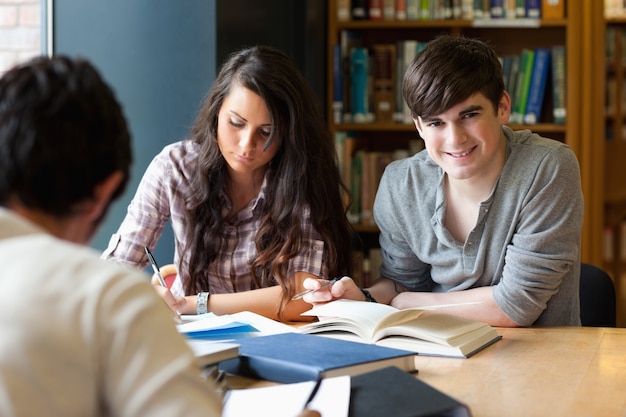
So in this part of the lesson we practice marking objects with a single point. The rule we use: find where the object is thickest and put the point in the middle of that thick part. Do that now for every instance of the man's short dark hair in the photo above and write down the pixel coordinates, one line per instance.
(62, 132)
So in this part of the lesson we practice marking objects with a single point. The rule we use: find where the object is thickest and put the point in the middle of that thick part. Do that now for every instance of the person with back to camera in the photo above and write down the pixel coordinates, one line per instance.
(486, 217)
(253, 196)
(91, 338)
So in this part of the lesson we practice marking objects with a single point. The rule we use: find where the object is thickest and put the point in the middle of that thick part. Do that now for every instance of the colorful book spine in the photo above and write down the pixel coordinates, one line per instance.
(389, 9)
(375, 11)
(358, 77)
(559, 110)
(533, 9)
(401, 9)
(424, 10)
(520, 9)
(359, 9)
(384, 79)
(537, 86)
(523, 84)
(497, 9)
(344, 10)
(412, 9)
(338, 89)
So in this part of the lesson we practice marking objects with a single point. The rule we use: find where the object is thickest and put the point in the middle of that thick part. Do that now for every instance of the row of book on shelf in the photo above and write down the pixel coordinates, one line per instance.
(367, 82)
(361, 170)
(449, 9)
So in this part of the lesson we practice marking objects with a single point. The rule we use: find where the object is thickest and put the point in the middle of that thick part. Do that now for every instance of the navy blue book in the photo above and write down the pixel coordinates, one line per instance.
(392, 392)
(296, 357)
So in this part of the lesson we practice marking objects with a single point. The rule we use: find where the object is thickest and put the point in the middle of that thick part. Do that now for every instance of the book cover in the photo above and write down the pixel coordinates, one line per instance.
(509, 9)
(497, 9)
(432, 334)
(522, 86)
(349, 39)
(401, 9)
(389, 9)
(296, 357)
(393, 392)
(533, 9)
(384, 80)
(409, 51)
(553, 9)
(559, 111)
(424, 10)
(375, 11)
(520, 9)
(537, 86)
(358, 78)
(359, 9)
(367, 199)
(412, 9)
(467, 9)
(344, 10)
(338, 89)
(209, 352)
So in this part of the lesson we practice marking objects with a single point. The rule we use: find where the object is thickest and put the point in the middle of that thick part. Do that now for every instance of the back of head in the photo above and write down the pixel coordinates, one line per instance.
(449, 70)
(62, 132)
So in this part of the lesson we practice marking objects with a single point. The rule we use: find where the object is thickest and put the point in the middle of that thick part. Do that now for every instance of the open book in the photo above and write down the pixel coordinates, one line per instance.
(433, 334)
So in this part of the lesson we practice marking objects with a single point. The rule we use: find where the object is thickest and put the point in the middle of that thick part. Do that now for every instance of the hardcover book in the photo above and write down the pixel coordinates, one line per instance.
(537, 86)
(558, 84)
(522, 86)
(296, 357)
(392, 392)
(432, 334)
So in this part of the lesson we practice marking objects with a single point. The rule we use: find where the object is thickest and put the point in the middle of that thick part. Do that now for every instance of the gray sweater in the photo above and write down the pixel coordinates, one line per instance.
(526, 242)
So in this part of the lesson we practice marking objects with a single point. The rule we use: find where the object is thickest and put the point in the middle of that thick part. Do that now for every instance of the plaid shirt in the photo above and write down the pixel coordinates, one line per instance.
(161, 196)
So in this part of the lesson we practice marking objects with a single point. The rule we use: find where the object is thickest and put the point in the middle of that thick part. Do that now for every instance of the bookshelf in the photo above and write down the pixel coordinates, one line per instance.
(580, 31)
(615, 140)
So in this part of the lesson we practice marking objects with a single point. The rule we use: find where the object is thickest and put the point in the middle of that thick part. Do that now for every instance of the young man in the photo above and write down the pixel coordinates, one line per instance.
(80, 336)
(485, 217)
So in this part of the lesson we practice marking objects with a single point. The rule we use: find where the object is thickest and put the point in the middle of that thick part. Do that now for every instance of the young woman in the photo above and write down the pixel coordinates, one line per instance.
(254, 196)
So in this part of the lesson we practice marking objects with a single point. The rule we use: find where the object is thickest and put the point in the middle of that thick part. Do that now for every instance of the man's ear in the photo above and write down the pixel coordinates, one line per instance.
(418, 126)
(102, 195)
(504, 108)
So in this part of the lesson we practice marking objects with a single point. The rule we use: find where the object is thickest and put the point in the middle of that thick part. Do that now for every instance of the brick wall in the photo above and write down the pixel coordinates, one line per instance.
(20, 31)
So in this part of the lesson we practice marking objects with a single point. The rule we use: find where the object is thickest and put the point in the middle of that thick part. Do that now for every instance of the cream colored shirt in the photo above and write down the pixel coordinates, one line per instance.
(83, 337)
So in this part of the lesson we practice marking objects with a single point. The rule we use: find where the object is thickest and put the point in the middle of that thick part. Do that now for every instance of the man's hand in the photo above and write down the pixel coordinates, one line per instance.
(344, 288)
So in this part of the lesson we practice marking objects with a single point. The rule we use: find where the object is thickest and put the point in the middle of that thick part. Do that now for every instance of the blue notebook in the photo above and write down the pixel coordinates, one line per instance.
(296, 357)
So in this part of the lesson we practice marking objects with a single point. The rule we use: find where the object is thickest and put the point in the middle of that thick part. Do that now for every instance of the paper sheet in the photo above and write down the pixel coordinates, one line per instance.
(287, 400)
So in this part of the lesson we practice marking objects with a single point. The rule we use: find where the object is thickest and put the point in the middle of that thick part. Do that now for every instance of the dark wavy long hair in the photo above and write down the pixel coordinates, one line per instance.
(304, 172)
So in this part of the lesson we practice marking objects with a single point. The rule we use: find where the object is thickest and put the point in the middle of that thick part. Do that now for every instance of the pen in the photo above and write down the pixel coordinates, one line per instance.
(155, 267)
(312, 394)
(324, 285)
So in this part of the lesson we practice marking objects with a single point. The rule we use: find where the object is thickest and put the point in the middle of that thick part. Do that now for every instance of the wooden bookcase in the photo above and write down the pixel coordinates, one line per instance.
(580, 31)
(615, 146)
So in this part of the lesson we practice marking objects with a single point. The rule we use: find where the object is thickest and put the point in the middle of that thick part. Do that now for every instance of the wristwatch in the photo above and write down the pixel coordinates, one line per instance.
(201, 302)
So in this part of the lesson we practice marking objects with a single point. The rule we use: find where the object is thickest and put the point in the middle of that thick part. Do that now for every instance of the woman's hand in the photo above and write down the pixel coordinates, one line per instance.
(176, 304)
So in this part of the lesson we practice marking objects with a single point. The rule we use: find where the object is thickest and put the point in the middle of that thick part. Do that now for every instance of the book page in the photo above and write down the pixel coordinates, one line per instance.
(438, 328)
(357, 317)
(331, 400)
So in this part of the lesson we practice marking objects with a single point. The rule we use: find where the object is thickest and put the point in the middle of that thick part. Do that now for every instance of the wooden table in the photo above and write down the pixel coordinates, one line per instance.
(559, 371)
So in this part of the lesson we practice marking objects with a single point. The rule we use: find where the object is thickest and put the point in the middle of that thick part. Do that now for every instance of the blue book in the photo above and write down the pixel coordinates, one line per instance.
(537, 86)
(358, 78)
(337, 84)
(392, 392)
(297, 357)
(533, 9)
